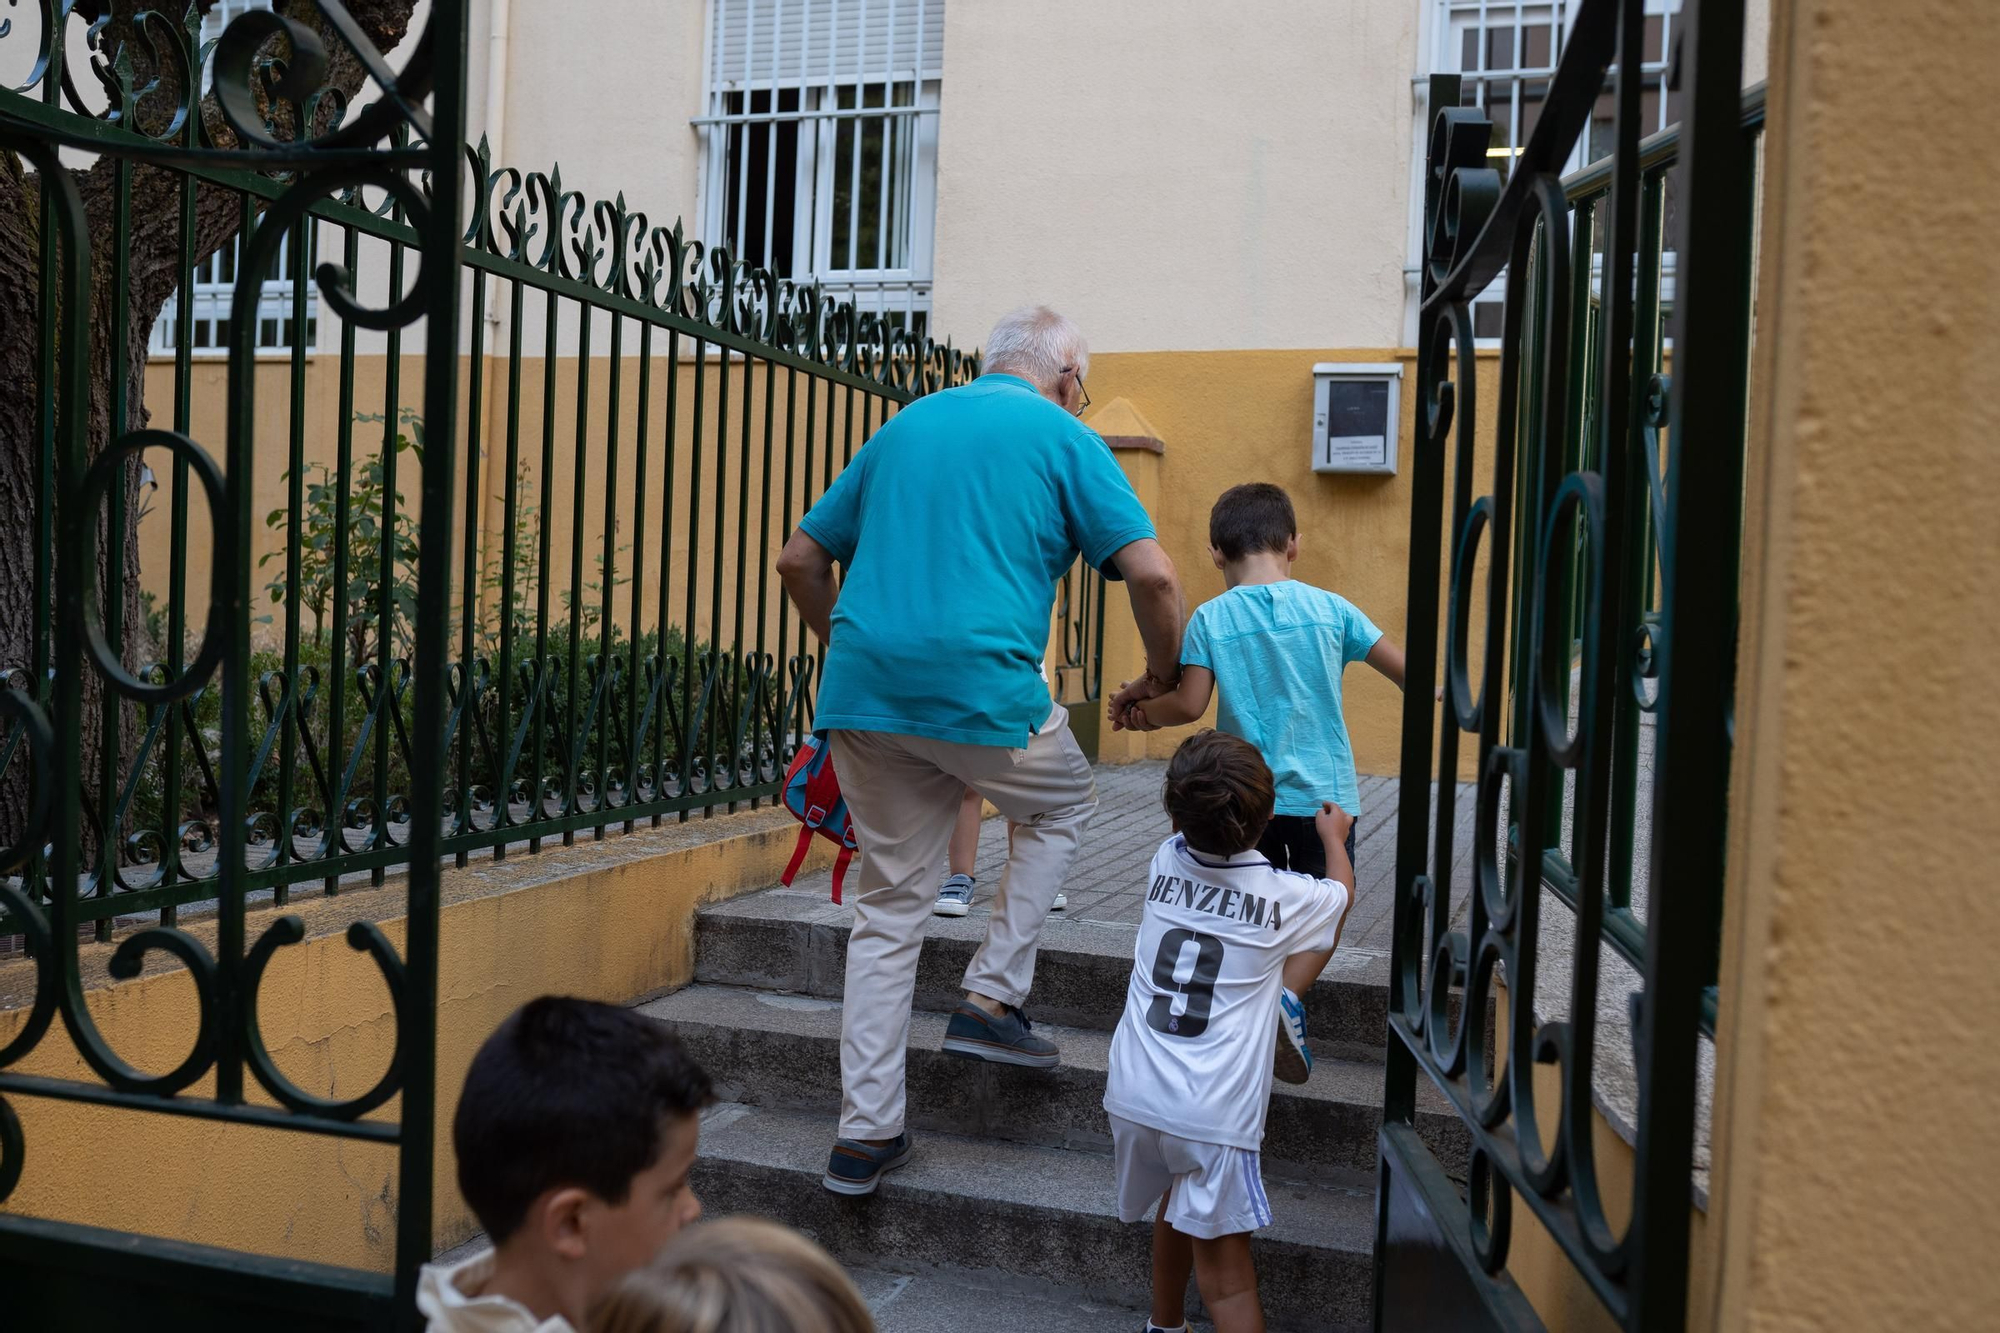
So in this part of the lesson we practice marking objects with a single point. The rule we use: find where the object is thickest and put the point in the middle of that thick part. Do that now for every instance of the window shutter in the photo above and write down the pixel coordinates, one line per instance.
(820, 41)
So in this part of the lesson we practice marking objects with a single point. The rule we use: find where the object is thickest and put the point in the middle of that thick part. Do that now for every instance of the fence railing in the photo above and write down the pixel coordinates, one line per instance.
(643, 420)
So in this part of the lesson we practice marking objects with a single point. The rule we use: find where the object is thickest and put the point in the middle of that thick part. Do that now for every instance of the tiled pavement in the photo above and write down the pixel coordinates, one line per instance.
(1105, 883)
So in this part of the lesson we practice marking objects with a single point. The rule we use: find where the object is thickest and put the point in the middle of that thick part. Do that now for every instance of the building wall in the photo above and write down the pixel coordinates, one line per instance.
(1230, 417)
(1859, 1072)
(606, 88)
(1178, 177)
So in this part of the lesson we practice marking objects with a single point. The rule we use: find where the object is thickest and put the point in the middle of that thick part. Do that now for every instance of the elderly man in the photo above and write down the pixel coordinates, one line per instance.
(952, 527)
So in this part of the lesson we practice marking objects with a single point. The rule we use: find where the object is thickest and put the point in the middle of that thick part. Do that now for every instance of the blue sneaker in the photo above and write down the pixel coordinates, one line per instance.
(1295, 1058)
(856, 1168)
(954, 896)
(1009, 1039)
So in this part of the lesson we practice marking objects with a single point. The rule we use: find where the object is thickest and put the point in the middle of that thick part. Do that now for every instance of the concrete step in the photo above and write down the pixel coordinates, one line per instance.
(1023, 1215)
(783, 1052)
(948, 1300)
(788, 940)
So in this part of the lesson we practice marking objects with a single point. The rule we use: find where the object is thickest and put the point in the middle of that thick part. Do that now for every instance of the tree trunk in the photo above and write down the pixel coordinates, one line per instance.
(152, 249)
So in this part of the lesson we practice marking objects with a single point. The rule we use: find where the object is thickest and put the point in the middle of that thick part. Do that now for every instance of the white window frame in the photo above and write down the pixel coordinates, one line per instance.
(212, 295)
(907, 198)
(1441, 44)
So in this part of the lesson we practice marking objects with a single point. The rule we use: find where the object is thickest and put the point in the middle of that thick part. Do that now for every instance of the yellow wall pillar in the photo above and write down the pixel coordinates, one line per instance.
(1859, 1071)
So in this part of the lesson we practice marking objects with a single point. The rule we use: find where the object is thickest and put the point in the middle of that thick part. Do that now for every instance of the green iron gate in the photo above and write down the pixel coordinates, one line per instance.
(1608, 601)
(1079, 655)
(517, 713)
(269, 76)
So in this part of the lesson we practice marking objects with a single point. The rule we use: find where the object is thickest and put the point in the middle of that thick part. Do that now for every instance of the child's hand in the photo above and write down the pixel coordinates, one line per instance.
(1123, 710)
(1332, 822)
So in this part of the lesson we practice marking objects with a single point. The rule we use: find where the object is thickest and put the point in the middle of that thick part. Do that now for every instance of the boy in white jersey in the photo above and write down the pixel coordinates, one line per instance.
(1190, 1071)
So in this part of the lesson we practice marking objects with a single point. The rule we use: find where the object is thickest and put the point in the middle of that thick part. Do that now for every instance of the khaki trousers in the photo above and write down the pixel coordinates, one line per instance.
(903, 793)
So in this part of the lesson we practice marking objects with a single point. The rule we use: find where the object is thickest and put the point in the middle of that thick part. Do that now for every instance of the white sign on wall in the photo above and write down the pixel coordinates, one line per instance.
(1357, 416)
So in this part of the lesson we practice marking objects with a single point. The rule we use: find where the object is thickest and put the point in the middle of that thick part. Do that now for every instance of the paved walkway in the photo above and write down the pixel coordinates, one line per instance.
(1106, 884)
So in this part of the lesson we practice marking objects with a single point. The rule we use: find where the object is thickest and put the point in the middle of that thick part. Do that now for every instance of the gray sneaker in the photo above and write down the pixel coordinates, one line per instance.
(974, 1034)
(954, 896)
(855, 1168)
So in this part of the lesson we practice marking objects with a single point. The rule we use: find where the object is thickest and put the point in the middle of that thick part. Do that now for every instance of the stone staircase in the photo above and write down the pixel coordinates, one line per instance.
(1011, 1186)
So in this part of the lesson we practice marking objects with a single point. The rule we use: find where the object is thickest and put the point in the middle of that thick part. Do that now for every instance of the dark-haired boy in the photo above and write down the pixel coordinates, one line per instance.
(575, 1133)
(1276, 650)
(1189, 1079)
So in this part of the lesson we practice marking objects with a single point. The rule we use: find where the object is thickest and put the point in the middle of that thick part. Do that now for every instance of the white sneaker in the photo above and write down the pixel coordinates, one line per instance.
(1062, 901)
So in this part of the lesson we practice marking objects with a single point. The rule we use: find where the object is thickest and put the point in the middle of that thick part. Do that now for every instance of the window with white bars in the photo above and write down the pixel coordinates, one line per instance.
(212, 294)
(820, 143)
(1506, 51)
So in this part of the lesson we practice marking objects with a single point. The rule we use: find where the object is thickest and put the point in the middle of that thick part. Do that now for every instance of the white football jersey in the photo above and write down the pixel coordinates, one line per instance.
(1192, 1055)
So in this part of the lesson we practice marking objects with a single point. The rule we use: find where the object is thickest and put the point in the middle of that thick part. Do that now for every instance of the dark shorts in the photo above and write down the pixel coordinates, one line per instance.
(1291, 842)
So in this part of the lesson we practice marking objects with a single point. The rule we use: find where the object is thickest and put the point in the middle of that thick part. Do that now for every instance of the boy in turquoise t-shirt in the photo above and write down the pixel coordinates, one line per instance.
(1276, 650)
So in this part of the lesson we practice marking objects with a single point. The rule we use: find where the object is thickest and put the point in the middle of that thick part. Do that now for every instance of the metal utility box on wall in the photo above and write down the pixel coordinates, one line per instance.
(1357, 416)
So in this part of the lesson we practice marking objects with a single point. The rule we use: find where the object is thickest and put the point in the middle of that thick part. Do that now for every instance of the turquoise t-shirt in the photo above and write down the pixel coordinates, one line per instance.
(1278, 651)
(953, 525)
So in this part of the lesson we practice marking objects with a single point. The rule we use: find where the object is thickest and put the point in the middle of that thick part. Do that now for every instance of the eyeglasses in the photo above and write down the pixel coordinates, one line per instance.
(1082, 392)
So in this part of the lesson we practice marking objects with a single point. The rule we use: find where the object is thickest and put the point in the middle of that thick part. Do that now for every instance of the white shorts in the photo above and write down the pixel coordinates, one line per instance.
(1212, 1190)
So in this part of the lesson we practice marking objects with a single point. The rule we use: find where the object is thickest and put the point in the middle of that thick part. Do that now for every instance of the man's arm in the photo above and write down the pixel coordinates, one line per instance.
(1179, 706)
(806, 569)
(1157, 607)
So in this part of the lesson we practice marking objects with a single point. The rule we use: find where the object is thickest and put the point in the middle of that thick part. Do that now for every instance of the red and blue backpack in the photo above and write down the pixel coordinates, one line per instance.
(812, 794)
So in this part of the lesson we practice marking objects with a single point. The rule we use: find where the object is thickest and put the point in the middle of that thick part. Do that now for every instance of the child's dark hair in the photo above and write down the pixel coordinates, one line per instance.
(567, 1092)
(1253, 517)
(1219, 793)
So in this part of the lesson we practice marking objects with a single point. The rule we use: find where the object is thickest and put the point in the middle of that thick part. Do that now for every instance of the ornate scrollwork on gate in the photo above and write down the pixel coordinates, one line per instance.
(1564, 523)
(270, 110)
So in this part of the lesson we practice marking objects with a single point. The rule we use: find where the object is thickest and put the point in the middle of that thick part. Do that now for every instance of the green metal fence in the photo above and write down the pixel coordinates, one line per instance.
(511, 593)
(616, 657)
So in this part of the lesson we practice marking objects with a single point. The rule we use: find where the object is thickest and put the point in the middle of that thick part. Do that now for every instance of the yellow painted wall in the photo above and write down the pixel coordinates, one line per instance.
(1859, 1077)
(726, 463)
(1233, 417)
(610, 921)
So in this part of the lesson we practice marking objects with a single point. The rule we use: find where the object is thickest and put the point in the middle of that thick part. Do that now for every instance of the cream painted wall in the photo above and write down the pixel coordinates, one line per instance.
(1856, 1155)
(607, 88)
(1178, 177)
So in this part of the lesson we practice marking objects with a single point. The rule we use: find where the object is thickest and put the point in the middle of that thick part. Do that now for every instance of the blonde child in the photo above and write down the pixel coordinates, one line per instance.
(739, 1275)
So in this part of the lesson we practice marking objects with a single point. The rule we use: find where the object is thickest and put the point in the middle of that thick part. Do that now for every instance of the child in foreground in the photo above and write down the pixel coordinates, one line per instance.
(739, 1275)
(1189, 1078)
(575, 1134)
(1276, 650)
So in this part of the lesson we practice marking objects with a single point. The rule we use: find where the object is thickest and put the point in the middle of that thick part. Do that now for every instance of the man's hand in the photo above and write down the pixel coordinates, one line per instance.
(1123, 710)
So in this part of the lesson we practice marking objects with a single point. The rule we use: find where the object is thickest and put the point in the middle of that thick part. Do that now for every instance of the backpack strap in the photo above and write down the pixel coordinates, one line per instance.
(820, 795)
(840, 864)
(799, 859)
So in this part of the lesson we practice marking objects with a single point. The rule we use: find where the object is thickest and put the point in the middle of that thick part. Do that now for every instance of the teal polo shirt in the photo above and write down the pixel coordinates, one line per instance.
(953, 525)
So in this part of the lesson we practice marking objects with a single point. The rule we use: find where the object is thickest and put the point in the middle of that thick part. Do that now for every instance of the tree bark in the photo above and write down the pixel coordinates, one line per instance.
(152, 251)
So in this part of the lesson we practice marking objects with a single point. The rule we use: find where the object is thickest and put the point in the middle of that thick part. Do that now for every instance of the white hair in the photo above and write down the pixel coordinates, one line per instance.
(1037, 344)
